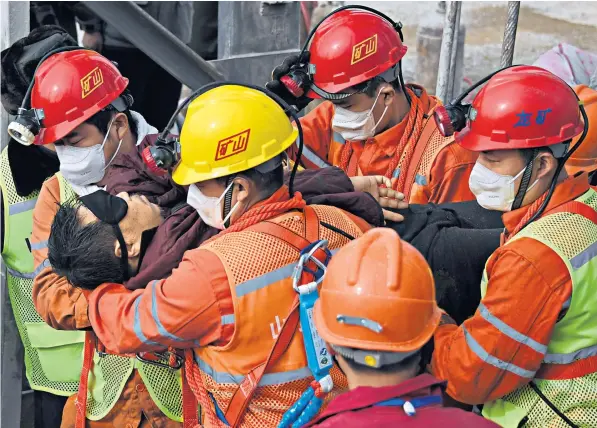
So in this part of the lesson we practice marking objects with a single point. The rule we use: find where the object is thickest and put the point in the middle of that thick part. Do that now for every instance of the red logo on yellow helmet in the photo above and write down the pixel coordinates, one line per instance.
(233, 145)
(93, 80)
(364, 49)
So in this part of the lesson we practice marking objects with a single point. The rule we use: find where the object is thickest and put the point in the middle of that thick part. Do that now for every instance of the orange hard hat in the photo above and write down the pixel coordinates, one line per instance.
(585, 157)
(378, 294)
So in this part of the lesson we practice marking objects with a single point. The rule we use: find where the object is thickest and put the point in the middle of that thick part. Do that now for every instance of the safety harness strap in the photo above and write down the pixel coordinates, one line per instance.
(245, 391)
(81, 400)
(190, 418)
(420, 146)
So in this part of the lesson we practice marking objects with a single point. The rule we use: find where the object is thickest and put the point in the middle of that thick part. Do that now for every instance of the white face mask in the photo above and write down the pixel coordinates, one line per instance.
(209, 207)
(494, 191)
(82, 166)
(356, 126)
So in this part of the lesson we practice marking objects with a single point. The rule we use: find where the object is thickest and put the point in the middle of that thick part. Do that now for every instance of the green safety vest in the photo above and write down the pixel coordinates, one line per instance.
(109, 372)
(53, 358)
(574, 238)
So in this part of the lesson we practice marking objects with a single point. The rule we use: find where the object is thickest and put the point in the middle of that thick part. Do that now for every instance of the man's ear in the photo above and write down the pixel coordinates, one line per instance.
(121, 124)
(117, 249)
(245, 189)
(133, 250)
(388, 94)
(546, 164)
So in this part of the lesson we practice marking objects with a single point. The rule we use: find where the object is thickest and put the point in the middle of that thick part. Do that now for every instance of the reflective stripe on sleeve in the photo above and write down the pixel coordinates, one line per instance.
(490, 359)
(312, 157)
(509, 331)
(571, 357)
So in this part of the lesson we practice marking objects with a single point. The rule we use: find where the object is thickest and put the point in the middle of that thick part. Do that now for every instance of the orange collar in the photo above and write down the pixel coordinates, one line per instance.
(278, 203)
(389, 139)
(567, 190)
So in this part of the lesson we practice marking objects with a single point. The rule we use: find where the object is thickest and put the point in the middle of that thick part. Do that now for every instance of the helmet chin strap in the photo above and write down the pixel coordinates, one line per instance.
(402, 85)
(524, 184)
(228, 201)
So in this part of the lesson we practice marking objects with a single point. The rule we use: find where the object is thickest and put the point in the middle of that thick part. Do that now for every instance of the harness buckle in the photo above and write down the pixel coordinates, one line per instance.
(307, 255)
(173, 361)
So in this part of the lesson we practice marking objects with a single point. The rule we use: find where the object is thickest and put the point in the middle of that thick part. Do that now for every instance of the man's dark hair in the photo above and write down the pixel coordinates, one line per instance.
(268, 182)
(101, 120)
(370, 86)
(528, 153)
(83, 254)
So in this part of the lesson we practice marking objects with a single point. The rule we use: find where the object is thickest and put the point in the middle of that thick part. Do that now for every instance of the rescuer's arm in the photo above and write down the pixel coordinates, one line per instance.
(44, 212)
(183, 311)
(501, 347)
(317, 134)
(61, 305)
(448, 177)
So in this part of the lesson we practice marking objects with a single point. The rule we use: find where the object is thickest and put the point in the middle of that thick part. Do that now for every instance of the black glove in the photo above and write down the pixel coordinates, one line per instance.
(290, 63)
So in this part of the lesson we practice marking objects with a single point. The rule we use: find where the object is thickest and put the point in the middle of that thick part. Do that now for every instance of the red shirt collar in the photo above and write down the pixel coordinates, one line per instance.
(567, 190)
(365, 396)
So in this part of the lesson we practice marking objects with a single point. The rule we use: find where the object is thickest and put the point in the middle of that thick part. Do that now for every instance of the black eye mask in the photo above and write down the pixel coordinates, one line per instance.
(110, 209)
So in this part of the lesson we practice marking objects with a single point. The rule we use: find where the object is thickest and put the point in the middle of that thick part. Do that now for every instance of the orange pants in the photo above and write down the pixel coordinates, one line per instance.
(134, 409)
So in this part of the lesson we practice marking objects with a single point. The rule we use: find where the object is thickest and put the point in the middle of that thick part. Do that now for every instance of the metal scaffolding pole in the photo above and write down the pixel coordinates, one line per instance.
(453, 55)
(510, 34)
(156, 42)
(14, 24)
(258, 36)
(447, 68)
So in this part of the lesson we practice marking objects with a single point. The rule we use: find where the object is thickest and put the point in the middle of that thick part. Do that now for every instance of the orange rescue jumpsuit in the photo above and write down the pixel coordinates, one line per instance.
(195, 307)
(64, 307)
(447, 172)
(527, 290)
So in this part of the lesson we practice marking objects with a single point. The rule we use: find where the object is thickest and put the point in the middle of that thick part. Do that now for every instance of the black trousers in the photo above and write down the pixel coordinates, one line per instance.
(155, 91)
(48, 409)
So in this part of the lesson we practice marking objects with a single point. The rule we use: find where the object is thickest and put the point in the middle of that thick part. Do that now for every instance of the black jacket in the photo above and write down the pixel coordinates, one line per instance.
(456, 240)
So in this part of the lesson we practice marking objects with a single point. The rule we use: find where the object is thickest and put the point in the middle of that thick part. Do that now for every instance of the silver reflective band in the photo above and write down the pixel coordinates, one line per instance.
(338, 138)
(22, 207)
(362, 322)
(421, 180)
(228, 319)
(28, 275)
(584, 257)
(571, 357)
(156, 319)
(39, 245)
(496, 362)
(267, 279)
(18, 274)
(267, 379)
(312, 157)
(509, 331)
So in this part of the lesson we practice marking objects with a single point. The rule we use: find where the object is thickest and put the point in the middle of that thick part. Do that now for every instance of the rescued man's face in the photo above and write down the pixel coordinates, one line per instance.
(141, 215)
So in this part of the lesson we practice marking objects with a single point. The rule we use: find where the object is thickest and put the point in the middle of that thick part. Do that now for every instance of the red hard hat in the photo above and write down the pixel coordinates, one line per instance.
(351, 47)
(71, 87)
(522, 107)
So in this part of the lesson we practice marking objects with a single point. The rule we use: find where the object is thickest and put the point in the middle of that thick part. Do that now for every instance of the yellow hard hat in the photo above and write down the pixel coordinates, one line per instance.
(230, 129)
